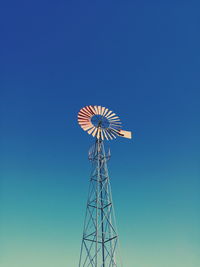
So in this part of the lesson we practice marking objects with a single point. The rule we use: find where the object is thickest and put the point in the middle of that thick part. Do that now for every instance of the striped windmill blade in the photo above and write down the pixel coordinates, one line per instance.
(101, 123)
(96, 110)
(99, 110)
(111, 116)
(105, 111)
(115, 131)
(115, 125)
(85, 128)
(92, 110)
(112, 133)
(109, 135)
(102, 110)
(84, 120)
(84, 125)
(94, 132)
(91, 130)
(105, 134)
(109, 112)
(82, 115)
(115, 120)
(85, 110)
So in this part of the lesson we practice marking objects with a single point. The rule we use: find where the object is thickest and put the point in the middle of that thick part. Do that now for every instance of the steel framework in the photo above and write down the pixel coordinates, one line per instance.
(100, 239)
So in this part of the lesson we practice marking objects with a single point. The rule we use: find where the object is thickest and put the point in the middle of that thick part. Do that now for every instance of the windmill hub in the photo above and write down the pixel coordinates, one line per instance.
(100, 121)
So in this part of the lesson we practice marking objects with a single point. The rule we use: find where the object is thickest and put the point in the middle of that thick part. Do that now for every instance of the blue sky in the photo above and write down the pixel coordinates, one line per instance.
(139, 59)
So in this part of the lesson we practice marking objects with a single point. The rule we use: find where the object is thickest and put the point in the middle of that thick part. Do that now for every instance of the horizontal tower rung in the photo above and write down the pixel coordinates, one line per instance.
(99, 207)
(105, 241)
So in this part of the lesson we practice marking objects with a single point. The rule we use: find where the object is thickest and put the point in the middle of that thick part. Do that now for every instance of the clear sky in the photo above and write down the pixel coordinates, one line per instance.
(142, 60)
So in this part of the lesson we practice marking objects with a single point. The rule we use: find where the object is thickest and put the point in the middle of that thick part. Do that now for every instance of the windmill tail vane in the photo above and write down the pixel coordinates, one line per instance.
(99, 247)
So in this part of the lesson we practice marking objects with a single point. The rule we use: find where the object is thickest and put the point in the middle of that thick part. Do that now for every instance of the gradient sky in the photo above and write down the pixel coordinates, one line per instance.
(140, 59)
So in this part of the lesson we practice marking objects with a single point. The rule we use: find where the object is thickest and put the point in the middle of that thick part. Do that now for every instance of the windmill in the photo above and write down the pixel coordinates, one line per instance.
(100, 239)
